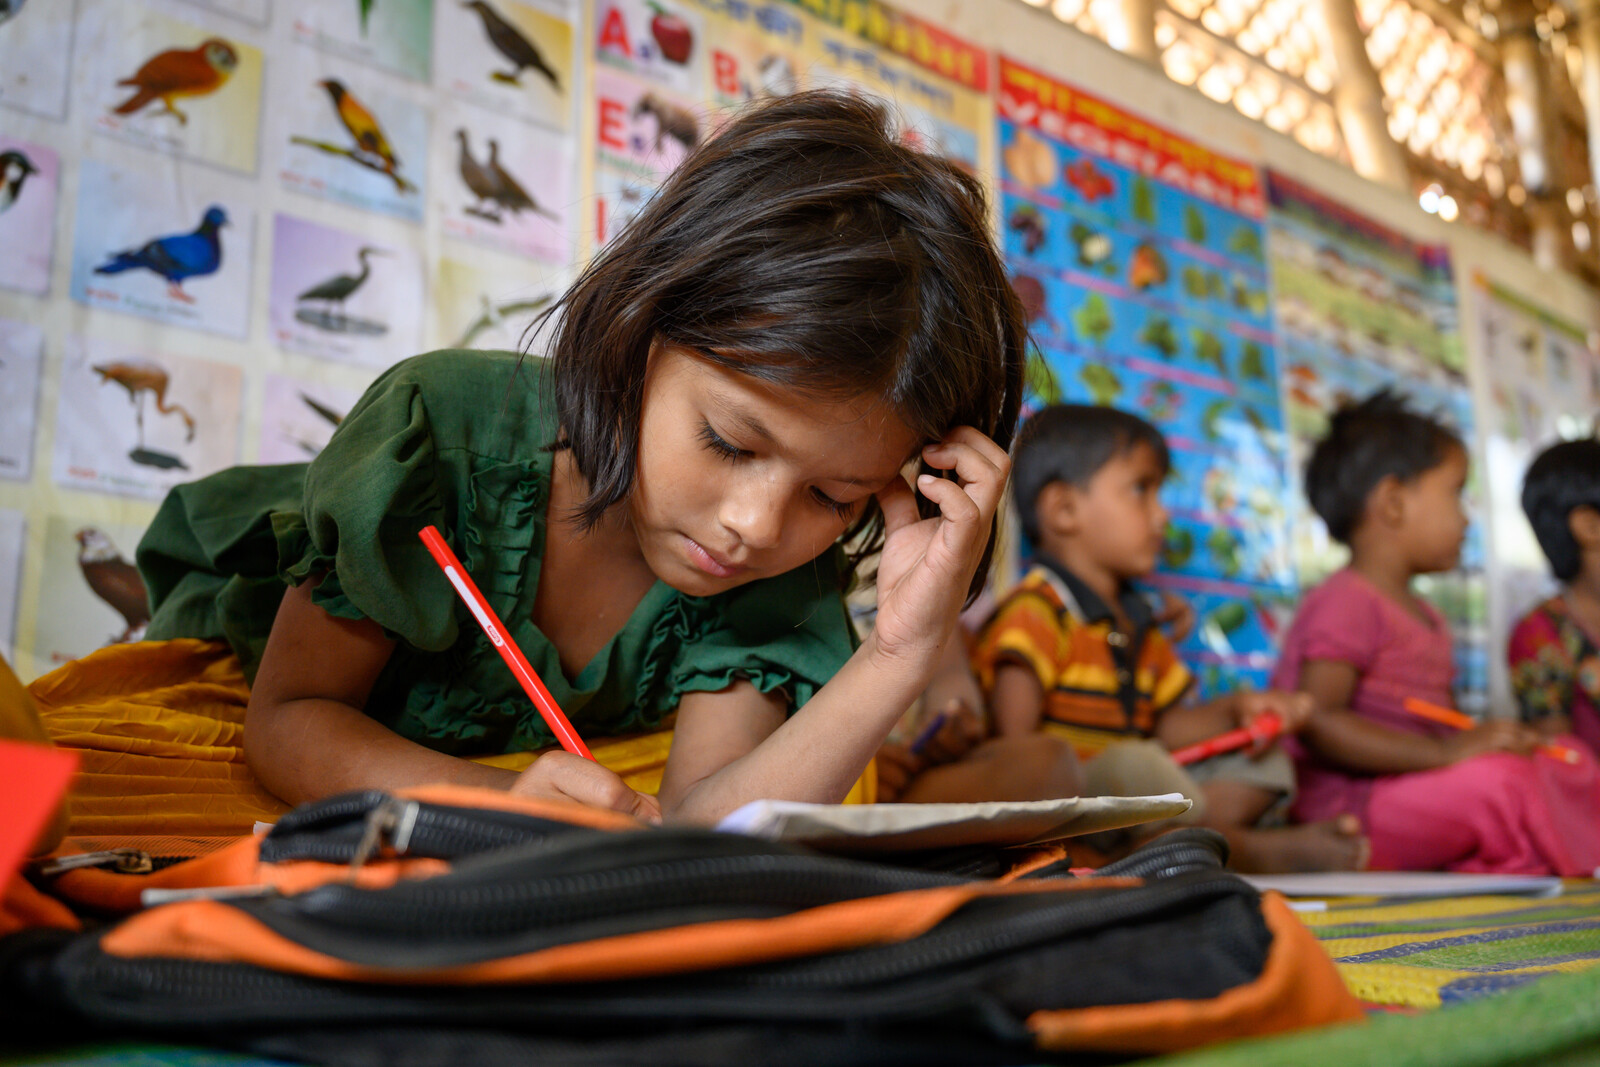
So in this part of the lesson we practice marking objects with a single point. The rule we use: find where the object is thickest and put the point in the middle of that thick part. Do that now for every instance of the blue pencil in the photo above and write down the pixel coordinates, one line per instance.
(928, 732)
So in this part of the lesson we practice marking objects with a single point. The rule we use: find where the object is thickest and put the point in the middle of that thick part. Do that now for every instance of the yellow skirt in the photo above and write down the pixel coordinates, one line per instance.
(159, 729)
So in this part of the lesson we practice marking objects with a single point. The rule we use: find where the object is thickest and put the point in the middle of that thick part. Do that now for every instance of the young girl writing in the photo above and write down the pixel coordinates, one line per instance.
(1387, 481)
(660, 511)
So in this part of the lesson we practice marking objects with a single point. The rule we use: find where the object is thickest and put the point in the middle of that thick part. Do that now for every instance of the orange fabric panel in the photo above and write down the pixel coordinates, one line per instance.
(1299, 987)
(213, 931)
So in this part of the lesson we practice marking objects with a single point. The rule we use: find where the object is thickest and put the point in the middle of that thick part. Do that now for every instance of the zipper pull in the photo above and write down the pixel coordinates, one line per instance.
(151, 898)
(392, 818)
(121, 860)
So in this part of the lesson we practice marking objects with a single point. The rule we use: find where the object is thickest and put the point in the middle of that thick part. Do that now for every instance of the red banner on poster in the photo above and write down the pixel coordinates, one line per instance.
(908, 37)
(1086, 122)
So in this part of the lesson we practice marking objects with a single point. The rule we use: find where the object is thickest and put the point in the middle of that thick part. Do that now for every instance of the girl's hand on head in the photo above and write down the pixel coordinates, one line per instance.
(563, 776)
(928, 564)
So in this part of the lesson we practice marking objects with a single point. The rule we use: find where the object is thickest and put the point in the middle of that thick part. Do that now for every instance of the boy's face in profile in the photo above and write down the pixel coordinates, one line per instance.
(1118, 520)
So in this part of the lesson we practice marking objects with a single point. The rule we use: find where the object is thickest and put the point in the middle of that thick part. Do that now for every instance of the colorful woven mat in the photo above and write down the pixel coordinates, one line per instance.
(1426, 953)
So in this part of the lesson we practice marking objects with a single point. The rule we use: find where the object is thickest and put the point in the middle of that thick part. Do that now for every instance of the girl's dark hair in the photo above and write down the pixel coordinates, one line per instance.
(802, 245)
(1563, 478)
(1367, 442)
(1070, 443)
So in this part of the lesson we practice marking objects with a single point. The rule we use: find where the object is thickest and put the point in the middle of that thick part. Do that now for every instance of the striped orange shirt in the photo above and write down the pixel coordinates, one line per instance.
(1100, 683)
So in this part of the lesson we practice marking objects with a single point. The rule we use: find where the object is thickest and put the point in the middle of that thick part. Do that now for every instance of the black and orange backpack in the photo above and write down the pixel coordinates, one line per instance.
(449, 926)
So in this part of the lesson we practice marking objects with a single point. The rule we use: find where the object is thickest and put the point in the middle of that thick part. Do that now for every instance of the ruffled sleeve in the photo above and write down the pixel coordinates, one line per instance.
(379, 481)
(791, 634)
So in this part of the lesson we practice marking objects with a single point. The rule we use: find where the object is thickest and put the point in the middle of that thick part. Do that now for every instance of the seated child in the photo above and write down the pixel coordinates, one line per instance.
(1387, 480)
(1555, 649)
(665, 512)
(1074, 649)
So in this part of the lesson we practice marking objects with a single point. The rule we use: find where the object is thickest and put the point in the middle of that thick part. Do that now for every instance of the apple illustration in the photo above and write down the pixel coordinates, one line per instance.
(673, 35)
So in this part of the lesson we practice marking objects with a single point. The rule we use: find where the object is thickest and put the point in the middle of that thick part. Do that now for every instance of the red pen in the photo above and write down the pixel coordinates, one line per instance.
(501, 639)
(1265, 727)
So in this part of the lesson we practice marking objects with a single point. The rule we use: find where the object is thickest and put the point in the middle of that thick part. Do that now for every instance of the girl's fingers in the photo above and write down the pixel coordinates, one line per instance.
(899, 505)
(979, 471)
(955, 502)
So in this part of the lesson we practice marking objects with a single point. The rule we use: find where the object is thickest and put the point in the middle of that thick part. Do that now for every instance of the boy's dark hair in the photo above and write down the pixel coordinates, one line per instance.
(1367, 442)
(1561, 479)
(802, 245)
(1070, 443)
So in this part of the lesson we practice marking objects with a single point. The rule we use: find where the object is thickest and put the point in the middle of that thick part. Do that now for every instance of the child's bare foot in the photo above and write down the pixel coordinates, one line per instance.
(1332, 845)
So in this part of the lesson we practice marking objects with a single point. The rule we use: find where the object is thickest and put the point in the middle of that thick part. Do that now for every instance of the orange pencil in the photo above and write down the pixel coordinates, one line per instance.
(1450, 717)
(501, 639)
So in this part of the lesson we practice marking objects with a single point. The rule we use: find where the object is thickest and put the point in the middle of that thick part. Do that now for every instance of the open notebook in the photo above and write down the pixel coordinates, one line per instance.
(911, 827)
(1406, 884)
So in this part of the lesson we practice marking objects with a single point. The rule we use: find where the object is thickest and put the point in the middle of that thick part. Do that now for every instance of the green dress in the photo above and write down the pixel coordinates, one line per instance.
(459, 439)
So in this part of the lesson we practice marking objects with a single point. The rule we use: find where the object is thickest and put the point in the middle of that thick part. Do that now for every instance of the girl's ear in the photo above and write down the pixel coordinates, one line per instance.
(1057, 508)
(1387, 503)
(1584, 525)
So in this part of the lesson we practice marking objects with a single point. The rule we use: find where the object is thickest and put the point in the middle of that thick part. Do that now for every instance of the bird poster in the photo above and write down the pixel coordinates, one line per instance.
(351, 142)
(182, 88)
(298, 417)
(255, 12)
(95, 597)
(29, 180)
(489, 302)
(35, 43)
(13, 533)
(509, 57)
(21, 360)
(164, 242)
(350, 297)
(511, 185)
(643, 129)
(661, 41)
(137, 423)
(392, 35)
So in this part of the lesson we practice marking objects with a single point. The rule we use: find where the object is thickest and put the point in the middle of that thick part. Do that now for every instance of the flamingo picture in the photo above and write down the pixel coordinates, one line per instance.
(139, 377)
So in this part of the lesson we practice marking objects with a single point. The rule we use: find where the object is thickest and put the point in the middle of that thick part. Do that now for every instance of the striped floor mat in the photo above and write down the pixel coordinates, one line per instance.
(1423, 954)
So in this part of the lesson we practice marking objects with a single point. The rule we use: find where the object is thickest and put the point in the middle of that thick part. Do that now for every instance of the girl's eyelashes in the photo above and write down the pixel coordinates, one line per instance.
(724, 449)
(838, 507)
(714, 442)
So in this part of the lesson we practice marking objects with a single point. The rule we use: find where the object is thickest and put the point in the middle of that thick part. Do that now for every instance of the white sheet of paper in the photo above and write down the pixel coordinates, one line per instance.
(1406, 884)
(908, 827)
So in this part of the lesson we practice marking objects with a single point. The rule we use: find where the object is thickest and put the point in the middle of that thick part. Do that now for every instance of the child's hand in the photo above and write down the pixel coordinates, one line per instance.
(927, 564)
(1501, 735)
(961, 730)
(563, 776)
(1292, 709)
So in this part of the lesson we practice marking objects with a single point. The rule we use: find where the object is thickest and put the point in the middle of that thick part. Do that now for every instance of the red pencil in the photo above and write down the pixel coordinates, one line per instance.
(501, 639)
(1265, 727)
(1451, 717)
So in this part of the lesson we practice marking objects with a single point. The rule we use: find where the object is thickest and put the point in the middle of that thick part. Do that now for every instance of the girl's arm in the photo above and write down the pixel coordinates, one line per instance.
(1356, 743)
(736, 746)
(306, 737)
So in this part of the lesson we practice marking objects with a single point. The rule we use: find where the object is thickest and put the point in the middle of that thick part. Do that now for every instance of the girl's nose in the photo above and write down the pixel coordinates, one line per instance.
(752, 510)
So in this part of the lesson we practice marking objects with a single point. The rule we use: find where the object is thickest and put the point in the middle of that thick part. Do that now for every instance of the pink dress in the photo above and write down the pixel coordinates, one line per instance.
(1494, 813)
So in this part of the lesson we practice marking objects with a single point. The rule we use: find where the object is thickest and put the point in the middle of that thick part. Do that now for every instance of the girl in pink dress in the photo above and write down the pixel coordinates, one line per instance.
(1387, 481)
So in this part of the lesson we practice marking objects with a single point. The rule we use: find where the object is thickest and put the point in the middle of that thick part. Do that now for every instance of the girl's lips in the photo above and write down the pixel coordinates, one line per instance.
(709, 563)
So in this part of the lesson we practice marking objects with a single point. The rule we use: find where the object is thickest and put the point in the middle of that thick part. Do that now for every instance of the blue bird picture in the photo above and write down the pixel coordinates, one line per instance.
(178, 257)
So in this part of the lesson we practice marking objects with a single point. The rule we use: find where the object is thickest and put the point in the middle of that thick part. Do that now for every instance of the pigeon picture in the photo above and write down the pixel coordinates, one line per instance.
(178, 257)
